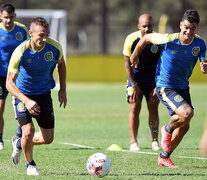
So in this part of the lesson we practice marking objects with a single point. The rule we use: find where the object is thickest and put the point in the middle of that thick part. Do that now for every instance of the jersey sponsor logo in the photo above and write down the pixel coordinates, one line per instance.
(195, 50)
(29, 60)
(154, 49)
(1, 91)
(21, 107)
(178, 98)
(2, 38)
(48, 56)
(19, 36)
(174, 51)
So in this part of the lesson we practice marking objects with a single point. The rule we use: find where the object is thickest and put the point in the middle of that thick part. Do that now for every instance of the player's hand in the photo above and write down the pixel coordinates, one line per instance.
(134, 61)
(62, 97)
(203, 65)
(32, 107)
(136, 92)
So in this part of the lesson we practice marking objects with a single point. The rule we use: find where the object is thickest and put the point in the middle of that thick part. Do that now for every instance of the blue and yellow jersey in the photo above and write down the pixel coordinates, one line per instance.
(148, 57)
(9, 40)
(35, 68)
(177, 59)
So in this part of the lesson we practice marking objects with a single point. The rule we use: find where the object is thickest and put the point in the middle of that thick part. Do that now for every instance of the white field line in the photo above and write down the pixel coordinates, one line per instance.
(139, 152)
(78, 145)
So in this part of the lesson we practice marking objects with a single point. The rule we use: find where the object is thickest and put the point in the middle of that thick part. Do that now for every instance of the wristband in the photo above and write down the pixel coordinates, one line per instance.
(134, 85)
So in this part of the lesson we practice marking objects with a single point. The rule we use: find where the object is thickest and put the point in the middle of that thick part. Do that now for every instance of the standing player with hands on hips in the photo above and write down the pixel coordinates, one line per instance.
(29, 80)
(141, 82)
(180, 52)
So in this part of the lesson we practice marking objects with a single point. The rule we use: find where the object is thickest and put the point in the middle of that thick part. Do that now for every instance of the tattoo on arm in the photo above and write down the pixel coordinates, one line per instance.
(129, 70)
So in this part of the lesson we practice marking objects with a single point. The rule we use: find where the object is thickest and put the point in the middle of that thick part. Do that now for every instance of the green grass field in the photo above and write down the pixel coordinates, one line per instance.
(97, 116)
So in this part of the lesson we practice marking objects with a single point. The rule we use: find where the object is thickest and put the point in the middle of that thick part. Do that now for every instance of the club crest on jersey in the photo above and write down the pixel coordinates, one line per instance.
(21, 107)
(178, 98)
(48, 56)
(195, 50)
(19, 36)
(154, 49)
(1, 91)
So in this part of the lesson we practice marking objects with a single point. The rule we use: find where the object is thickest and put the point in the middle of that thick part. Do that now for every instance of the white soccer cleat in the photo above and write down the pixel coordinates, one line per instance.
(155, 146)
(16, 154)
(1, 145)
(32, 170)
(134, 147)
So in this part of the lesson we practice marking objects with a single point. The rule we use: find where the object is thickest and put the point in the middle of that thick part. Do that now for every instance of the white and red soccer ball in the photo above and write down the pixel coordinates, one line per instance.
(99, 165)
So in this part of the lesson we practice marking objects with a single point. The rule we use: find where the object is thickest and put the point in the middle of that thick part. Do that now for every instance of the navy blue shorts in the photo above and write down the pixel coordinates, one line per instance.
(45, 119)
(145, 87)
(3, 90)
(173, 98)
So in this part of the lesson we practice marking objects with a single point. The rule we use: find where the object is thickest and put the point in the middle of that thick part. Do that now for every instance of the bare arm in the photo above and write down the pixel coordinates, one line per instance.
(135, 88)
(62, 79)
(139, 47)
(31, 105)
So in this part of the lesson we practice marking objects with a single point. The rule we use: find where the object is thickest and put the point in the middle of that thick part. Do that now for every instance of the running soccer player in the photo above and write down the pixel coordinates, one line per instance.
(12, 34)
(178, 57)
(29, 80)
(141, 82)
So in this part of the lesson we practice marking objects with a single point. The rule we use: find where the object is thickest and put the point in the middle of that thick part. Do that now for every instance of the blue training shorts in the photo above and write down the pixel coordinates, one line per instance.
(173, 98)
(45, 119)
(3, 90)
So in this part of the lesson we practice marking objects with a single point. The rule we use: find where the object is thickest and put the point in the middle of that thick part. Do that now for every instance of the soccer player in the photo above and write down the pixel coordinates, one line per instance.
(178, 57)
(12, 33)
(29, 80)
(141, 82)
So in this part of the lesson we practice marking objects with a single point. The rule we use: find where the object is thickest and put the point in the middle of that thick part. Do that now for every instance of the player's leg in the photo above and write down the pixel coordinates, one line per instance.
(2, 106)
(44, 136)
(3, 95)
(135, 108)
(152, 104)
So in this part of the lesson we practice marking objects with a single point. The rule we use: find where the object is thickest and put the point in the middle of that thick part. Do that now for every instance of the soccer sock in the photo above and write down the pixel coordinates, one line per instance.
(18, 144)
(19, 132)
(169, 129)
(30, 163)
(164, 154)
(1, 137)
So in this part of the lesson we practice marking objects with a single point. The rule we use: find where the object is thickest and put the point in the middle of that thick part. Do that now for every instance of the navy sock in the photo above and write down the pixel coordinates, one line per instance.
(169, 129)
(1, 137)
(30, 163)
(19, 132)
(18, 145)
(164, 154)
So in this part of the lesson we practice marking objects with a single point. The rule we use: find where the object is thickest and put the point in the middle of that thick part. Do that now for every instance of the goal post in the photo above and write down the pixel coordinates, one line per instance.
(56, 18)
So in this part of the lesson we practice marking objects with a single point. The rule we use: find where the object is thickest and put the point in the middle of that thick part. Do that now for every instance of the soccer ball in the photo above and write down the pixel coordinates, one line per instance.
(99, 165)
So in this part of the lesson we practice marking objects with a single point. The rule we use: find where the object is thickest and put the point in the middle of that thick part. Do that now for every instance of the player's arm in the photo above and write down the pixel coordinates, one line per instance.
(31, 105)
(135, 88)
(62, 79)
(146, 39)
(203, 65)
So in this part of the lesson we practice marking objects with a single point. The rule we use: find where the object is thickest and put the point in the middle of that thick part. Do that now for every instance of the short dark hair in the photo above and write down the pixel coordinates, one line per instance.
(40, 21)
(9, 8)
(192, 16)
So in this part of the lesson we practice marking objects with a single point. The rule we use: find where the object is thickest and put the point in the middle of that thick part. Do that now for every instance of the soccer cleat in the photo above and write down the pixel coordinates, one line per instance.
(134, 147)
(155, 146)
(166, 162)
(1, 145)
(32, 170)
(16, 154)
(166, 140)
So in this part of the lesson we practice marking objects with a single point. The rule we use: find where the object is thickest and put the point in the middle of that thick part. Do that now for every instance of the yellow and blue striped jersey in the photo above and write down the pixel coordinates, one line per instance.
(35, 68)
(177, 59)
(9, 40)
